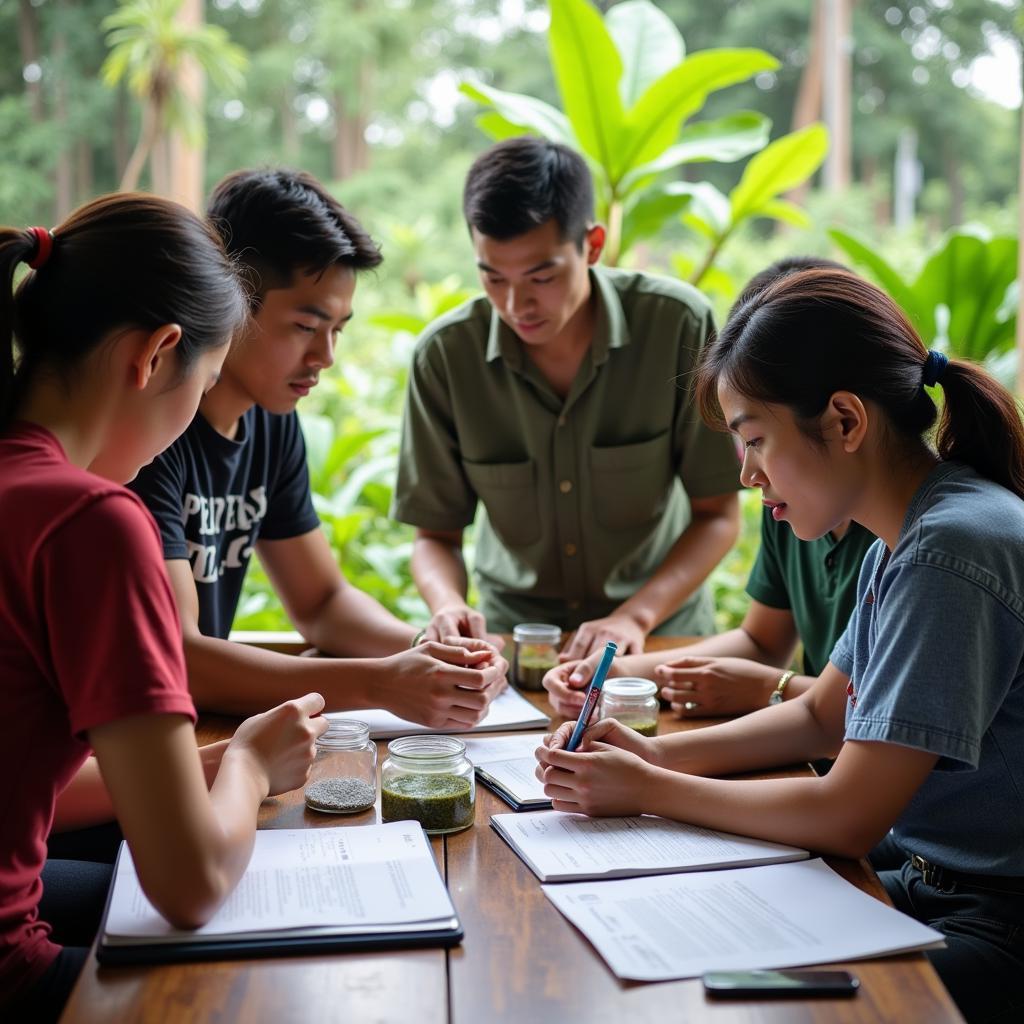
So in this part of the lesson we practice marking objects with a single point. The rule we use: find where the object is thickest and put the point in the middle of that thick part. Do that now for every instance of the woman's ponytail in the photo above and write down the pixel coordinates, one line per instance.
(15, 247)
(981, 425)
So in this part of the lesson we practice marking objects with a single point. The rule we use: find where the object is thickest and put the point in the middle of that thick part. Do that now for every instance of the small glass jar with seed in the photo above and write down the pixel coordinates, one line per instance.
(633, 701)
(428, 779)
(343, 779)
(535, 653)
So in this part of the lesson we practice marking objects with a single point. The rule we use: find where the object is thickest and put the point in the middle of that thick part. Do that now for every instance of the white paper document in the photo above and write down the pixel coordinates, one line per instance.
(371, 877)
(507, 711)
(508, 763)
(779, 915)
(561, 847)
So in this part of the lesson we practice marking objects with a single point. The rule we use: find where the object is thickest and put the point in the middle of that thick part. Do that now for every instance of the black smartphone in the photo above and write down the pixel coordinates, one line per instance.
(779, 984)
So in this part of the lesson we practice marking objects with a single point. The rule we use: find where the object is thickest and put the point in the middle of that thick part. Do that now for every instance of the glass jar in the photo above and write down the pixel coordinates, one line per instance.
(535, 654)
(634, 702)
(428, 779)
(343, 779)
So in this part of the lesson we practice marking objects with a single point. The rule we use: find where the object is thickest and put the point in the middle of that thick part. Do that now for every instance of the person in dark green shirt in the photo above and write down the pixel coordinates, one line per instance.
(801, 592)
(560, 407)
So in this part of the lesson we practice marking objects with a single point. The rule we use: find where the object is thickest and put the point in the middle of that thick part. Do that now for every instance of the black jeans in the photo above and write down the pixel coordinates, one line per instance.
(982, 964)
(74, 894)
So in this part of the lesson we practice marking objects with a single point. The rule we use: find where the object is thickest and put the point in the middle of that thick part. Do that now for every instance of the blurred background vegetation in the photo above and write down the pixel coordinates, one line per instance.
(388, 102)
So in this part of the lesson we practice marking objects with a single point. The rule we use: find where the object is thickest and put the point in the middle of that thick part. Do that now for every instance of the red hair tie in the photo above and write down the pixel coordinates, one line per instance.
(44, 246)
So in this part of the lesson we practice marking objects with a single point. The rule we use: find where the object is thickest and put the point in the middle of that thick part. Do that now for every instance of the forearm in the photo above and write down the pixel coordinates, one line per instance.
(352, 624)
(769, 738)
(84, 802)
(735, 643)
(439, 571)
(799, 812)
(236, 679)
(689, 562)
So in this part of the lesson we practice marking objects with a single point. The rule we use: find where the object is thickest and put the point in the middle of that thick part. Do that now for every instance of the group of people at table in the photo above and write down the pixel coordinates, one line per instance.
(589, 418)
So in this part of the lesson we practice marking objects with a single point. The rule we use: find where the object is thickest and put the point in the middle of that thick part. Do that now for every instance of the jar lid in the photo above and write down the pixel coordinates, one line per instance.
(427, 749)
(536, 633)
(630, 686)
(344, 733)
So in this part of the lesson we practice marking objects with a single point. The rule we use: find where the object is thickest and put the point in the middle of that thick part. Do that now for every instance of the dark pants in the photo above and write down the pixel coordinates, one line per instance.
(74, 894)
(982, 964)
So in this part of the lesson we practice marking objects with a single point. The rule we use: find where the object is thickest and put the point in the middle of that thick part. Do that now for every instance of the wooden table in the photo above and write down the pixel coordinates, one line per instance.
(520, 961)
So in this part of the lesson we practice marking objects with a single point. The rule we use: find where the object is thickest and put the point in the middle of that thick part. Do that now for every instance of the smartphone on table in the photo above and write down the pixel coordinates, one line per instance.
(791, 984)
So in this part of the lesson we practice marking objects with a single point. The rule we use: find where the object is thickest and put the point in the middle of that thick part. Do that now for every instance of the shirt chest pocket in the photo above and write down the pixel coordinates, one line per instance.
(508, 491)
(631, 483)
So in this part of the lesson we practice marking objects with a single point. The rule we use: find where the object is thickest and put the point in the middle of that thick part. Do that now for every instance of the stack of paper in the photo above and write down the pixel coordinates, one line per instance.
(561, 847)
(780, 915)
(507, 711)
(305, 890)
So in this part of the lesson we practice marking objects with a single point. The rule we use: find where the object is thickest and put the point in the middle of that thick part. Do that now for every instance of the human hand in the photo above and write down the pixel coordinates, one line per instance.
(459, 620)
(717, 686)
(210, 757)
(592, 636)
(443, 685)
(608, 774)
(567, 683)
(280, 743)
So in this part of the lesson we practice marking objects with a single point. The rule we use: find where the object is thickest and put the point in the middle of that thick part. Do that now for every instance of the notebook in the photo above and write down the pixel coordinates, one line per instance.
(507, 711)
(560, 847)
(506, 765)
(304, 891)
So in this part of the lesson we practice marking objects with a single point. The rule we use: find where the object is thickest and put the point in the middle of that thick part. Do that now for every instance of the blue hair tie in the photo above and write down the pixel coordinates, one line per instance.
(934, 367)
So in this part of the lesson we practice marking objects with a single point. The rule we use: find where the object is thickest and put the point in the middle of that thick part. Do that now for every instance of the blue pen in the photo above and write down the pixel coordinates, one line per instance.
(593, 693)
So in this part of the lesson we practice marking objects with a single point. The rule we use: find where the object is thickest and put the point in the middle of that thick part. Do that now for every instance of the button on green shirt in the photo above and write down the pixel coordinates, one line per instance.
(816, 580)
(584, 496)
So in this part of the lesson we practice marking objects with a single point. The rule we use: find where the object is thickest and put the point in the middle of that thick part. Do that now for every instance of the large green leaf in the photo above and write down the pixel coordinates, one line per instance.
(648, 42)
(499, 128)
(652, 125)
(587, 70)
(787, 212)
(649, 211)
(861, 253)
(786, 163)
(969, 275)
(708, 207)
(532, 114)
(723, 139)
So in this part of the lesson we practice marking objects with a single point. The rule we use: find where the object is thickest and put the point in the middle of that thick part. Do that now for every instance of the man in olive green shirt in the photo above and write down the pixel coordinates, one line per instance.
(562, 403)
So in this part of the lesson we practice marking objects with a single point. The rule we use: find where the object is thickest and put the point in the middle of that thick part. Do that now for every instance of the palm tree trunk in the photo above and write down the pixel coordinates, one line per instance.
(186, 158)
(144, 146)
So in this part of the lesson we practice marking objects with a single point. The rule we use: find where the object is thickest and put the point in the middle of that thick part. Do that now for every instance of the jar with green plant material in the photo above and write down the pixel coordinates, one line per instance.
(428, 779)
(535, 653)
(343, 778)
(634, 702)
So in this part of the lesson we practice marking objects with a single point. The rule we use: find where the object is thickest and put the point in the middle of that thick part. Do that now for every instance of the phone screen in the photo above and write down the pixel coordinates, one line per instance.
(791, 984)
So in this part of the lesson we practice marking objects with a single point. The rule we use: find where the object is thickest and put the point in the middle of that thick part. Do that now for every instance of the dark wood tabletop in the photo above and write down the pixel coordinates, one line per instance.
(520, 960)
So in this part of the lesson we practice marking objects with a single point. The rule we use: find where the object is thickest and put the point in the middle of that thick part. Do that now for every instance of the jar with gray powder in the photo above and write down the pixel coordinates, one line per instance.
(343, 779)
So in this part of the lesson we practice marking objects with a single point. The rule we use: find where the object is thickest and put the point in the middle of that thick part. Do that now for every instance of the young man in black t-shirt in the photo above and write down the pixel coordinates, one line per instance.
(237, 481)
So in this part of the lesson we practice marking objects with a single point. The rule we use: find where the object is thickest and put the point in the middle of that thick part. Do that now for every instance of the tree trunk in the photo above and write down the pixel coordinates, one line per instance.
(836, 17)
(28, 42)
(807, 108)
(185, 158)
(350, 153)
(121, 128)
(64, 192)
(83, 171)
(954, 179)
(144, 146)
